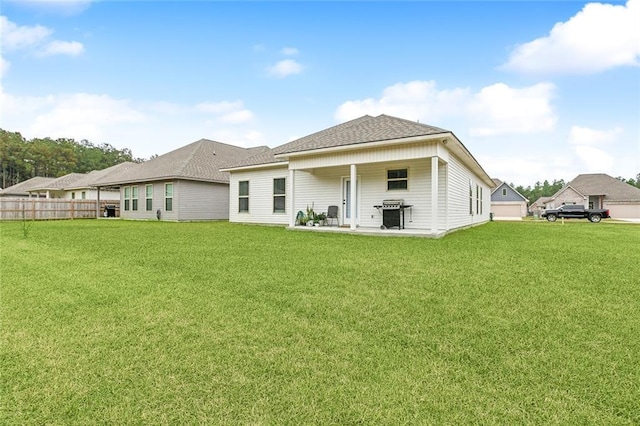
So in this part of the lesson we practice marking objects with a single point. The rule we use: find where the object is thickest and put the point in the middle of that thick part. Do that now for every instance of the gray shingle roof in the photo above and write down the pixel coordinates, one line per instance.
(24, 187)
(61, 183)
(200, 160)
(603, 184)
(264, 157)
(94, 178)
(361, 130)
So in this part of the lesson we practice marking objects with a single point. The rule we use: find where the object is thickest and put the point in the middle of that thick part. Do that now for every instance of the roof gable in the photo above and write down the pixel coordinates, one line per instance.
(511, 193)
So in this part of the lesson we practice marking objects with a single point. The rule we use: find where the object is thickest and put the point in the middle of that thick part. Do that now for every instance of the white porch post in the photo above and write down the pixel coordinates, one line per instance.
(98, 205)
(354, 197)
(434, 195)
(292, 202)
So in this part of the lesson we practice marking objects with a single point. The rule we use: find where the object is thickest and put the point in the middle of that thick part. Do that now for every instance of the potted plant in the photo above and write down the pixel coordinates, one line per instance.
(311, 216)
(320, 218)
(301, 218)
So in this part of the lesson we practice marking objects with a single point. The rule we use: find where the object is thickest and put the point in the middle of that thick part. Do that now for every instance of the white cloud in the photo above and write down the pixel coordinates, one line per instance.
(36, 39)
(16, 37)
(501, 109)
(414, 100)
(285, 68)
(289, 51)
(56, 47)
(84, 116)
(591, 145)
(599, 37)
(4, 66)
(494, 110)
(145, 128)
(226, 112)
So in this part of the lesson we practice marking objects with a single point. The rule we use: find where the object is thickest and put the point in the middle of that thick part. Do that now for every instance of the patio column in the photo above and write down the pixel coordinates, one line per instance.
(434, 195)
(292, 201)
(98, 205)
(354, 197)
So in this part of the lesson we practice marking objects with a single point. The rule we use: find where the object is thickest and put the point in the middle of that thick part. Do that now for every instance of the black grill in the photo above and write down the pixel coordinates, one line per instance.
(392, 213)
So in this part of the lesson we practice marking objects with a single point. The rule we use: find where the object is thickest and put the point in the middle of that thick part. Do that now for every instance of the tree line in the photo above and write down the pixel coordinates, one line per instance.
(22, 159)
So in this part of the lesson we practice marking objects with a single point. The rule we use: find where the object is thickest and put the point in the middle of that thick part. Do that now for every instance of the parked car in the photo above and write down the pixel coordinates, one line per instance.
(576, 211)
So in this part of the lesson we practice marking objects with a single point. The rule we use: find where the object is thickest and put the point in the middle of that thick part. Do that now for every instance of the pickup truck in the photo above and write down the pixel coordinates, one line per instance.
(576, 211)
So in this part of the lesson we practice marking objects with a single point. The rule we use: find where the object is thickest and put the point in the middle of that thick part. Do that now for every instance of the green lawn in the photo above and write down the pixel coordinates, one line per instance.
(183, 323)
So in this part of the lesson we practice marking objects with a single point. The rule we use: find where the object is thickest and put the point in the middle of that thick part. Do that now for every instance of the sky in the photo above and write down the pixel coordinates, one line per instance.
(534, 89)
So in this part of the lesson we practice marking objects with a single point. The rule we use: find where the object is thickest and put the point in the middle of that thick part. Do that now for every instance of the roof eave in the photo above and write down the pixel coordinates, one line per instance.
(360, 145)
(256, 166)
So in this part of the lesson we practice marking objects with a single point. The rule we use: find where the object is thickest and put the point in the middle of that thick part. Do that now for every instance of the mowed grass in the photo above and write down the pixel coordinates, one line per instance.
(125, 322)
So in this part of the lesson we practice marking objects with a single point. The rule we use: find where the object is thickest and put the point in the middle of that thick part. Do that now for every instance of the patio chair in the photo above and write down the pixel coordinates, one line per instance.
(332, 213)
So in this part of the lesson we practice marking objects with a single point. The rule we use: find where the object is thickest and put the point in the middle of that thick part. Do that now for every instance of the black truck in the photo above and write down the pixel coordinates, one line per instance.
(576, 211)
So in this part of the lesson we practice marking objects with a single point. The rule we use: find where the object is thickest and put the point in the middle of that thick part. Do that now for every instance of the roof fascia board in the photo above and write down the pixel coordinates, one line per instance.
(156, 179)
(363, 145)
(257, 166)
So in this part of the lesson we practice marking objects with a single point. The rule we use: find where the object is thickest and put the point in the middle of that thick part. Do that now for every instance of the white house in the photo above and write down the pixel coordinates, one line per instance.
(356, 166)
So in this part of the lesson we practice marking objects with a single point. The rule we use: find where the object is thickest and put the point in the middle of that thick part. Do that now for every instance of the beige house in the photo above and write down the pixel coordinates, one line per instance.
(600, 191)
(357, 166)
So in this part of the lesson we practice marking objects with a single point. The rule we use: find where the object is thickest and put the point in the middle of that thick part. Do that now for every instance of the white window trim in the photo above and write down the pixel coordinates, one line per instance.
(166, 198)
(244, 196)
(283, 195)
(147, 197)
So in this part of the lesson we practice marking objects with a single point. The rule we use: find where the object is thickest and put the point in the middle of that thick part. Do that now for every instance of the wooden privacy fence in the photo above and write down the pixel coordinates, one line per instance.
(53, 208)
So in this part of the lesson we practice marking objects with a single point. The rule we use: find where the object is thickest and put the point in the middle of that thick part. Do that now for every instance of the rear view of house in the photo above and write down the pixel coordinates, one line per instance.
(358, 166)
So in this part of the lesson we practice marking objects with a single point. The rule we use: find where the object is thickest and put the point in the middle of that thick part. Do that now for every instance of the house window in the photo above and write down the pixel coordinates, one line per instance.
(279, 195)
(504, 192)
(84, 195)
(477, 199)
(73, 195)
(134, 198)
(481, 200)
(168, 197)
(470, 199)
(127, 197)
(148, 193)
(243, 196)
(397, 179)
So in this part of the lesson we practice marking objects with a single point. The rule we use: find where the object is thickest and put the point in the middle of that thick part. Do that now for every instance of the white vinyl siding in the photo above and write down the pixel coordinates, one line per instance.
(318, 182)
(261, 196)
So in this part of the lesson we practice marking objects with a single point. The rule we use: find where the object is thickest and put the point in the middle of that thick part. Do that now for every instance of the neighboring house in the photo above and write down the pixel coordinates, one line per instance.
(182, 185)
(358, 164)
(507, 203)
(86, 187)
(56, 188)
(81, 186)
(537, 207)
(27, 188)
(600, 191)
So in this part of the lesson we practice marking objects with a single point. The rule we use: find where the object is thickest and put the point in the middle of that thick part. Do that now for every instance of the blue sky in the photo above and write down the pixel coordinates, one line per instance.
(535, 90)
